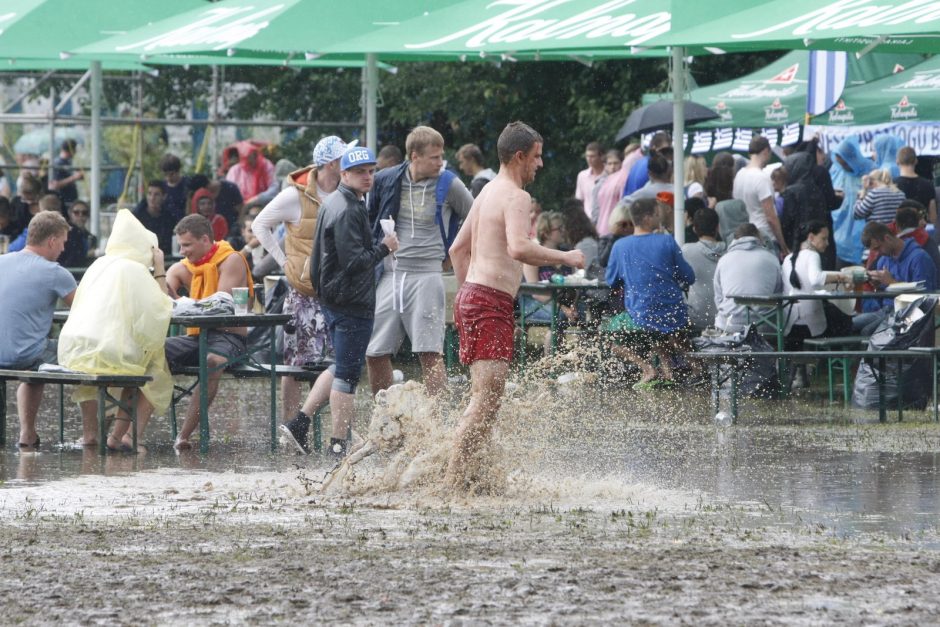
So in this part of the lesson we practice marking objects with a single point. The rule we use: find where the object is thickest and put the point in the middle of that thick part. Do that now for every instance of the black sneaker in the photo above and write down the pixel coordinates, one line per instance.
(296, 433)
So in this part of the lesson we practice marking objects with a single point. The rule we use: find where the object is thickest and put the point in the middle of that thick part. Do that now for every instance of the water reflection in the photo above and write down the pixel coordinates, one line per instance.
(847, 478)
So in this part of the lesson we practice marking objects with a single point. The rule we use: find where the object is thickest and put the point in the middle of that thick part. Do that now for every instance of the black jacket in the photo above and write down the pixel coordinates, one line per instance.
(344, 255)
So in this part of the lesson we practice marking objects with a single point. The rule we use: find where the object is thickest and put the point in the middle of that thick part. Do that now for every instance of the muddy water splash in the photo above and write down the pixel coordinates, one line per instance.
(537, 452)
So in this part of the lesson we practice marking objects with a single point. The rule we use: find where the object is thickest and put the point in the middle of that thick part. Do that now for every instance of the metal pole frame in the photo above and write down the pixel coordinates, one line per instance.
(678, 129)
(94, 191)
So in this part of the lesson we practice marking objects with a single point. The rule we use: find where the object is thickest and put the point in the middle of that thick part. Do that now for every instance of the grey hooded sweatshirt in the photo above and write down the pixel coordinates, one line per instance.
(703, 256)
(746, 269)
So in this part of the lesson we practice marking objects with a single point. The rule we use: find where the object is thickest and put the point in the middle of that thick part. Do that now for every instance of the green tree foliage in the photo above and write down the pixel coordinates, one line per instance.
(569, 103)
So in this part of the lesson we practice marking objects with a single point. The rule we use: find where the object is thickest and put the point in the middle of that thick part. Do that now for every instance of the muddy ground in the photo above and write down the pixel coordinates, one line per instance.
(644, 517)
(173, 547)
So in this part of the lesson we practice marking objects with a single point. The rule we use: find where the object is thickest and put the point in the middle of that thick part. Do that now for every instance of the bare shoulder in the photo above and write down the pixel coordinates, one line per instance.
(179, 271)
(502, 194)
(234, 268)
(232, 261)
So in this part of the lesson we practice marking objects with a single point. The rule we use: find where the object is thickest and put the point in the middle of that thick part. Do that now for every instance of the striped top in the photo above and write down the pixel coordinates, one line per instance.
(879, 205)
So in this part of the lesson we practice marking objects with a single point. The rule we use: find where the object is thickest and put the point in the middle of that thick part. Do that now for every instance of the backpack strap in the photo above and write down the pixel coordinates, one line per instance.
(448, 232)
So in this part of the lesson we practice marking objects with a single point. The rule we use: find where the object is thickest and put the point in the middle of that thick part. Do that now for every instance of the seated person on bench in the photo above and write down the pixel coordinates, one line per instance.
(118, 324)
(208, 267)
(803, 274)
(899, 261)
(746, 269)
(30, 284)
(550, 233)
(653, 272)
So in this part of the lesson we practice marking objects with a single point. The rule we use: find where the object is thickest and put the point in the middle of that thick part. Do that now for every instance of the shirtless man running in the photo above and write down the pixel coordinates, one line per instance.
(487, 256)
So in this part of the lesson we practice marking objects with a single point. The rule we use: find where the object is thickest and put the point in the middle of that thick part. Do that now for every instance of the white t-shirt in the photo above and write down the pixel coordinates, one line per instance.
(752, 186)
(285, 207)
(694, 189)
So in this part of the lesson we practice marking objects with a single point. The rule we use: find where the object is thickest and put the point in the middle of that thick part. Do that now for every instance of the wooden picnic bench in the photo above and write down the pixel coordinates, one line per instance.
(736, 358)
(105, 400)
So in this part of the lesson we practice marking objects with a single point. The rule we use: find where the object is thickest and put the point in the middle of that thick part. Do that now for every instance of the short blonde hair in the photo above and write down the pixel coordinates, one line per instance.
(421, 138)
(50, 202)
(44, 225)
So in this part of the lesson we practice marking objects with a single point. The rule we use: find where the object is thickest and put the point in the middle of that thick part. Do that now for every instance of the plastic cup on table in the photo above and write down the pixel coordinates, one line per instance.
(240, 296)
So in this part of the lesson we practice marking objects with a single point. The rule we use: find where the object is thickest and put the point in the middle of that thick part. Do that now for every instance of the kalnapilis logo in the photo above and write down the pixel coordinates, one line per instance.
(928, 80)
(776, 112)
(841, 113)
(787, 76)
(896, 16)
(217, 28)
(781, 85)
(553, 20)
(904, 110)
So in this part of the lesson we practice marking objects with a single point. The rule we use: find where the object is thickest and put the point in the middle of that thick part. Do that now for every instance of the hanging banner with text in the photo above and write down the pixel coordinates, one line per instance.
(923, 138)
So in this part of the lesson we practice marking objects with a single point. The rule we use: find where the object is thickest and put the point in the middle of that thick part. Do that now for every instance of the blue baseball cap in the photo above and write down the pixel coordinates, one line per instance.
(356, 156)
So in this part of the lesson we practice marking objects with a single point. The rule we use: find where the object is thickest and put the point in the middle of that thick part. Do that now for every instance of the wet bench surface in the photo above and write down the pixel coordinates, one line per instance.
(105, 399)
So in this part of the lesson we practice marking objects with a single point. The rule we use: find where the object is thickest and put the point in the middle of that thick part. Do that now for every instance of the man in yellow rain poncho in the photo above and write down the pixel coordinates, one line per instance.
(118, 324)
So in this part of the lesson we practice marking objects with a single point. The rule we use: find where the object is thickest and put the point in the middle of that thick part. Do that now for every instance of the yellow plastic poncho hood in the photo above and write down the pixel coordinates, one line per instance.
(119, 317)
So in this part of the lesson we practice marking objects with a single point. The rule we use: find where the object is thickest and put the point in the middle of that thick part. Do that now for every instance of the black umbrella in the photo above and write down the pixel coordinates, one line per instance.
(658, 116)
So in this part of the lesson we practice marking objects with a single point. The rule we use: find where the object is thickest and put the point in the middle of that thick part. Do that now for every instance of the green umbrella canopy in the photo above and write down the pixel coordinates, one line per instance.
(524, 29)
(258, 29)
(280, 29)
(909, 96)
(776, 94)
(45, 29)
(851, 25)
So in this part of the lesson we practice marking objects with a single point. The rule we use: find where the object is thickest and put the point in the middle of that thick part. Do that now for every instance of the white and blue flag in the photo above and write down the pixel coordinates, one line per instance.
(827, 76)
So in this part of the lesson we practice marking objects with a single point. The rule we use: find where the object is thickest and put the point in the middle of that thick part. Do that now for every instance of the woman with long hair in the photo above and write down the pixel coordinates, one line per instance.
(695, 172)
(803, 274)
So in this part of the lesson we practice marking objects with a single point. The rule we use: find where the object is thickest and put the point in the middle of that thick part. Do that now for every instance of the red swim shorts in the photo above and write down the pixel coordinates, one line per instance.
(484, 319)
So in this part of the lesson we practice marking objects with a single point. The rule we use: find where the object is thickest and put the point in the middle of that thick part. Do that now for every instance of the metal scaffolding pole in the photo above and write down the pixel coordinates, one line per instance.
(141, 182)
(212, 129)
(678, 130)
(81, 120)
(52, 111)
(96, 152)
(372, 98)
